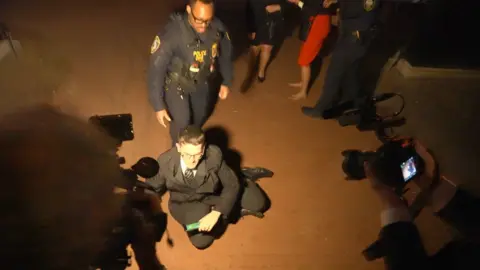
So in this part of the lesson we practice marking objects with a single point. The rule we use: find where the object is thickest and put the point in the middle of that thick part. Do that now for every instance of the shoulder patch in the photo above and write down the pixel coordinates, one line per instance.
(155, 45)
(369, 5)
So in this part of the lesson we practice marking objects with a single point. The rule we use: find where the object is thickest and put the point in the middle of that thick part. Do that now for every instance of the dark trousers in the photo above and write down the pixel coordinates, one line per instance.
(187, 109)
(342, 82)
(252, 199)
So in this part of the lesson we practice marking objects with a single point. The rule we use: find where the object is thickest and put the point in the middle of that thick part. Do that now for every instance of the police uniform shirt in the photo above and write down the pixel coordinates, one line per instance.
(168, 44)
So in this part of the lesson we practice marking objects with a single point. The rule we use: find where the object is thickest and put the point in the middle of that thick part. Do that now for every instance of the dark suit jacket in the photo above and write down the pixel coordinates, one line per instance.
(216, 183)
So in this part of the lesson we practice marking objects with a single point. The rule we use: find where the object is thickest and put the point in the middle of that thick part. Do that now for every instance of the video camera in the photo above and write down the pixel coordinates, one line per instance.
(395, 162)
(364, 115)
(115, 254)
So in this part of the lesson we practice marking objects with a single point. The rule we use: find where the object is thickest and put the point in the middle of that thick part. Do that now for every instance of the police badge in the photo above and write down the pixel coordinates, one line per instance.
(368, 5)
(214, 50)
(155, 45)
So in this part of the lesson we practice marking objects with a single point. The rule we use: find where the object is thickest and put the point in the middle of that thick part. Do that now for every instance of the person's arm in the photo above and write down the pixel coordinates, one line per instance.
(158, 182)
(225, 58)
(161, 51)
(312, 7)
(231, 187)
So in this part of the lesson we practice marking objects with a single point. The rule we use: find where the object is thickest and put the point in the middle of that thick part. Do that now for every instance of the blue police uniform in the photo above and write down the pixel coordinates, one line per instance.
(181, 70)
(357, 29)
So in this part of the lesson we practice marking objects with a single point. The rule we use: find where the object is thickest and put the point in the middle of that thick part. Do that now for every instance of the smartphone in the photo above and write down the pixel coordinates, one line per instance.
(409, 169)
(192, 227)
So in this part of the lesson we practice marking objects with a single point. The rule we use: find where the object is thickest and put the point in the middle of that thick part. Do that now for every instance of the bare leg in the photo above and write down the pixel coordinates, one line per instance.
(265, 53)
(252, 62)
(305, 75)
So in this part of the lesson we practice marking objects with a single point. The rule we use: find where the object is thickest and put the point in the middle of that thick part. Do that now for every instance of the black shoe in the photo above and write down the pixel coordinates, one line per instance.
(261, 79)
(253, 174)
(312, 112)
(245, 212)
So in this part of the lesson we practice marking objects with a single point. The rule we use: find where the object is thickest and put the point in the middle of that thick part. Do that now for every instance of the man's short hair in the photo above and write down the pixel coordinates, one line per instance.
(207, 2)
(58, 174)
(191, 135)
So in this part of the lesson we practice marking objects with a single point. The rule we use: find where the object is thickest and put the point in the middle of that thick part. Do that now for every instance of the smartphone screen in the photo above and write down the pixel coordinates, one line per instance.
(409, 170)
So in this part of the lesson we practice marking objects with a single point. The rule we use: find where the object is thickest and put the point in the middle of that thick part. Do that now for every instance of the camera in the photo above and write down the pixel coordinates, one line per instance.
(115, 254)
(363, 114)
(395, 163)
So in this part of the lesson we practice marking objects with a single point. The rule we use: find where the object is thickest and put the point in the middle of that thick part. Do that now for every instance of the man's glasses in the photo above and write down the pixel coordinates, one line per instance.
(194, 157)
(200, 20)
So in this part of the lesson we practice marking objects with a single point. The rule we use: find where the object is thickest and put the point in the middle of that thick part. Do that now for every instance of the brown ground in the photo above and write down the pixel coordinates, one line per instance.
(317, 221)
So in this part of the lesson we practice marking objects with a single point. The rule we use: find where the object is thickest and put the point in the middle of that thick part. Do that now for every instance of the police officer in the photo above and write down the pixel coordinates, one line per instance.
(183, 59)
(341, 84)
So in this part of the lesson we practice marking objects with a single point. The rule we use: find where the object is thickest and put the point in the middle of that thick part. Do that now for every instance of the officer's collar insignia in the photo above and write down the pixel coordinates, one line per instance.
(226, 34)
(368, 5)
(155, 45)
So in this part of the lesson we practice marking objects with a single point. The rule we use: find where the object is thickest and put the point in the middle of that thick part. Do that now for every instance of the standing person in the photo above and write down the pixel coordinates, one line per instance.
(183, 59)
(357, 30)
(202, 187)
(313, 32)
(265, 22)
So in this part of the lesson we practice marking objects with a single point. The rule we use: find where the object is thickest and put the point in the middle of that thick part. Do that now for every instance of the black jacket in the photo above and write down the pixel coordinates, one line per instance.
(257, 15)
(218, 184)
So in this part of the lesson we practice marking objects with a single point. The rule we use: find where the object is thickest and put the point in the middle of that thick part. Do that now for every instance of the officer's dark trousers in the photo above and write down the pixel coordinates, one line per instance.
(341, 83)
(192, 109)
(252, 199)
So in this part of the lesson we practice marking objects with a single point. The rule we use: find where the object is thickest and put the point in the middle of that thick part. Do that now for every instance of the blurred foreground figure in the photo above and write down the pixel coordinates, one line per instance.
(58, 174)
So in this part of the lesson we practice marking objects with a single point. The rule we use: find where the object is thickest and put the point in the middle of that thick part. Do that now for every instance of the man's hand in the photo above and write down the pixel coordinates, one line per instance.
(161, 115)
(251, 36)
(273, 8)
(208, 222)
(222, 94)
(328, 3)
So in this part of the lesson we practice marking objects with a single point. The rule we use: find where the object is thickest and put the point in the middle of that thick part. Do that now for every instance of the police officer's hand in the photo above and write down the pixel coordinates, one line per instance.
(208, 222)
(161, 115)
(273, 8)
(222, 94)
(328, 3)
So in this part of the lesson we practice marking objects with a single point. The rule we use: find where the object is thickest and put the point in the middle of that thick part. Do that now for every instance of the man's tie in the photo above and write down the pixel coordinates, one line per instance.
(189, 177)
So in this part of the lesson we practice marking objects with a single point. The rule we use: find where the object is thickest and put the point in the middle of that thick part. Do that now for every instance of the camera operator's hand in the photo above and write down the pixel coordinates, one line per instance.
(425, 180)
(387, 195)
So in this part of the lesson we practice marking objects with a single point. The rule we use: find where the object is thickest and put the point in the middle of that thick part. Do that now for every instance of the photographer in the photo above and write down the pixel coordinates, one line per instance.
(401, 245)
(58, 207)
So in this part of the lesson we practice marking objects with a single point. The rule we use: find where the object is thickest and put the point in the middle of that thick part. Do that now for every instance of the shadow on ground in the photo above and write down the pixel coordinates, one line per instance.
(220, 137)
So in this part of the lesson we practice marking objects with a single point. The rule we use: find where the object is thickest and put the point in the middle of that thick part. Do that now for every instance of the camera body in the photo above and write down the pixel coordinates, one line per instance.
(114, 254)
(395, 163)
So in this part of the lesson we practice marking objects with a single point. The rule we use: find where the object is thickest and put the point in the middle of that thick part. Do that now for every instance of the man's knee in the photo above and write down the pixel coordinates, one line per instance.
(201, 241)
(253, 198)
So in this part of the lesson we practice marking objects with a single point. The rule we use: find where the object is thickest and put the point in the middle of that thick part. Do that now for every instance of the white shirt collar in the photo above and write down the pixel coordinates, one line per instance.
(183, 166)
